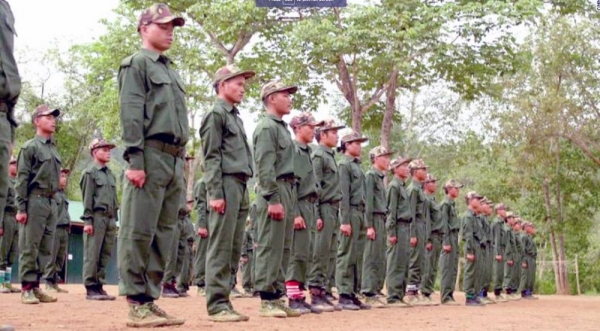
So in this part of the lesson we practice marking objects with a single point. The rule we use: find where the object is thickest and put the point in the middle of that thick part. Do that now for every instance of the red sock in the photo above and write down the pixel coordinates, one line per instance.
(293, 290)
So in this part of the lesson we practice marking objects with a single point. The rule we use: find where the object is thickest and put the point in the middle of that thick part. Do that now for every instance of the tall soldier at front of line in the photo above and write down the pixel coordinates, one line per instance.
(155, 130)
(450, 228)
(418, 227)
(38, 176)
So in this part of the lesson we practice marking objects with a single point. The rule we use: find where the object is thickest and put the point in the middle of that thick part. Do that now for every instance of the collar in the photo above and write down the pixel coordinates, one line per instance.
(417, 183)
(301, 145)
(352, 159)
(472, 213)
(448, 200)
(326, 149)
(99, 167)
(226, 105)
(276, 119)
(45, 140)
(154, 56)
(378, 172)
(400, 181)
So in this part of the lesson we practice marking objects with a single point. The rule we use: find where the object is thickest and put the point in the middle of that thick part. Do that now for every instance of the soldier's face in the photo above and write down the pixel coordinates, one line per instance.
(159, 35)
(12, 169)
(233, 89)
(420, 174)
(305, 133)
(511, 221)
(475, 204)
(382, 162)
(63, 180)
(431, 187)
(453, 192)
(354, 148)
(330, 138)
(190, 205)
(46, 123)
(281, 102)
(501, 213)
(531, 230)
(102, 154)
(402, 171)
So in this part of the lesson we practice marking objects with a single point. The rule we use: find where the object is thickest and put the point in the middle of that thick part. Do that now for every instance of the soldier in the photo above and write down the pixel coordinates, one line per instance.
(174, 264)
(228, 164)
(9, 233)
(154, 130)
(529, 262)
(352, 212)
(486, 251)
(38, 173)
(499, 248)
(418, 228)
(472, 247)
(398, 233)
(450, 227)
(10, 88)
(517, 257)
(433, 239)
(183, 280)
(326, 172)
(202, 232)
(304, 212)
(99, 193)
(373, 257)
(247, 258)
(61, 237)
(509, 254)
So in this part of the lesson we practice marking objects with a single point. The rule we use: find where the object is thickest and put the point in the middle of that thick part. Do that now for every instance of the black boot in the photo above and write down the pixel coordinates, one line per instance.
(346, 303)
(297, 305)
(103, 292)
(92, 293)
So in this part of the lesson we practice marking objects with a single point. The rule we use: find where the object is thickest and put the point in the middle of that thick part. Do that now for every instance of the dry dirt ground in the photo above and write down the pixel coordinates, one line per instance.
(73, 312)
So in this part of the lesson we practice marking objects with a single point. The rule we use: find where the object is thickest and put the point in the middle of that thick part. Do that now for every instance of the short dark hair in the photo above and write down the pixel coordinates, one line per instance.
(446, 190)
(216, 86)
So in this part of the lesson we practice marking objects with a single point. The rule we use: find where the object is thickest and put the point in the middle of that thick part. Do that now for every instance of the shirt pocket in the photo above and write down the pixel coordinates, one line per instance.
(43, 169)
(160, 94)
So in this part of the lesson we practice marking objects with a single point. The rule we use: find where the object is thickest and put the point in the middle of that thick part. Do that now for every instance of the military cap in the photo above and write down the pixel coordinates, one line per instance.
(453, 183)
(329, 125)
(430, 178)
(275, 86)
(500, 206)
(379, 151)
(510, 214)
(352, 137)
(417, 164)
(527, 224)
(486, 201)
(473, 195)
(159, 13)
(13, 159)
(398, 161)
(65, 171)
(99, 143)
(44, 110)
(231, 71)
(304, 119)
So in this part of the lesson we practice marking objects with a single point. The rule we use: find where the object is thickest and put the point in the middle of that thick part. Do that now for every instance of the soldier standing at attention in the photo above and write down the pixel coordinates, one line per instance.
(38, 173)
(304, 212)
(434, 239)
(499, 243)
(183, 280)
(228, 164)
(517, 257)
(154, 130)
(529, 263)
(247, 258)
(10, 88)
(373, 257)
(489, 266)
(202, 232)
(485, 243)
(509, 254)
(472, 248)
(398, 233)
(352, 212)
(418, 228)
(450, 227)
(9, 233)
(61, 237)
(175, 259)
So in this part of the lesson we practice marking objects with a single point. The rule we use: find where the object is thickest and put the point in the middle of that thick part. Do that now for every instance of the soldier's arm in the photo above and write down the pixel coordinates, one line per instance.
(88, 186)
(318, 169)
(429, 221)
(265, 156)
(468, 234)
(24, 161)
(132, 99)
(414, 195)
(369, 197)
(445, 219)
(508, 248)
(392, 207)
(345, 189)
(497, 231)
(211, 135)
(200, 198)
(10, 88)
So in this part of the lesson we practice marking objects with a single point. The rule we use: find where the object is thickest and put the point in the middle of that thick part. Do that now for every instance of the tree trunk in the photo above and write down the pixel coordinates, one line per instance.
(556, 262)
(390, 108)
(356, 118)
(565, 288)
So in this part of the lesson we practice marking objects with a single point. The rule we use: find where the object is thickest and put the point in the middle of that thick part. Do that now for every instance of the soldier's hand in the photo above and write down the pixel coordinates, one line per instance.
(393, 240)
(471, 257)
(244, 259)
(22, 218)
(320, 224)
(371, 233)
(499, 258)
(346, 229)
(429, 247)
(413, 241)
(276, 212)
(510, 263)
(254, 246)
(299, 223)
(136, 177)
(524, 265)
(218, 205)
(89, 229)
(203, 232)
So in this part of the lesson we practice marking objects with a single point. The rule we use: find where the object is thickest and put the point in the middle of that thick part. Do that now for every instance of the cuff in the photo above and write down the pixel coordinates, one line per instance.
(274, 199)
(136, 161)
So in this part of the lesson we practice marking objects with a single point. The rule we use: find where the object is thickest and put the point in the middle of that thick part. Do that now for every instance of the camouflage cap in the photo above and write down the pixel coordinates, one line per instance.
(44, 110)
(527, 224)
(430, 178)
(453, 183)
(231, 71)
(417, 164)
(510, 214)
(473, 195)
(330, 125)
(304, 119)
(13, 159)
(486, 201)
(500, 206)
(379, 151)
(275, 86)
(159, 13)
(65, 171)
(398, 161)
(353, 136)
(99, 143)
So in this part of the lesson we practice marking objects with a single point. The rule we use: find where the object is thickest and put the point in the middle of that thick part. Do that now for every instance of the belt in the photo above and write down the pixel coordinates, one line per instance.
(10, 211)
(360, 208)
(379, 213)
(436, 233)
(239, 176)
(174, 150)
(311, 198)
(42, 193)
(332, 203)
(287, 178)
(62, 225)
(403, 220)
(3, 107)
(104, 213)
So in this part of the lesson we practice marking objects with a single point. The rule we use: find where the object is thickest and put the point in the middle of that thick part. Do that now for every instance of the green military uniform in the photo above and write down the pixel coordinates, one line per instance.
(418, 229)
(471, 235)
(374, 265)
(499, 247)
(528, 257)
(450, 227)
(184, 278)
(434, 237)
(100, 207)
(485, 244)
(531, 252)
(10, 88)
(509, 255)
(202, 243)
(61, 239)
(176, 256)
(518, 258)
(248, 253)
(9, 239)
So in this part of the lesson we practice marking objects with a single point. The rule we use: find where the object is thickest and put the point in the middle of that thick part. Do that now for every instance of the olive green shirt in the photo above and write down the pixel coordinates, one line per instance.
(499, 236)
(305, 173)
(376, 200)
(274, 155)
(518, 248)
(62, 203)
(200, 196)
(10, 200)
(224, 146)
(99, 192)
(449, 220)
(528, 245)
(417, 205)
(398, 205)
(509, 251)
(326, 171)
(435, 224)
(484, 230)
(470, 224)
(352, 186)
(152, 104)
(10, 81)
(38, 167)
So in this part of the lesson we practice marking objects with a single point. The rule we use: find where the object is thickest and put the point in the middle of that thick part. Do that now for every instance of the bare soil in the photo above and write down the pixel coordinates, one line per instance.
(73, 312)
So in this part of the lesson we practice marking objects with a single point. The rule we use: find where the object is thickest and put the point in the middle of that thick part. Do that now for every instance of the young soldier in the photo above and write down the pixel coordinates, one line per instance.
(373, 273)
(99, 193)
(529, 263)
(397, 227)
(274, 154)
(304, 213)
(486, 251)
(326, 172)
(247, 258)
(154, 130)
(202, 232)
(38, 173)
(418, 227)
(352, 209)
(175, 259)
(450, 227)
(61, 237)
(509, 254)
(434, 239)
(228, 164)
(499, 248)
(9, 233)
(183, 280)
(517, 257)
(471, 237)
